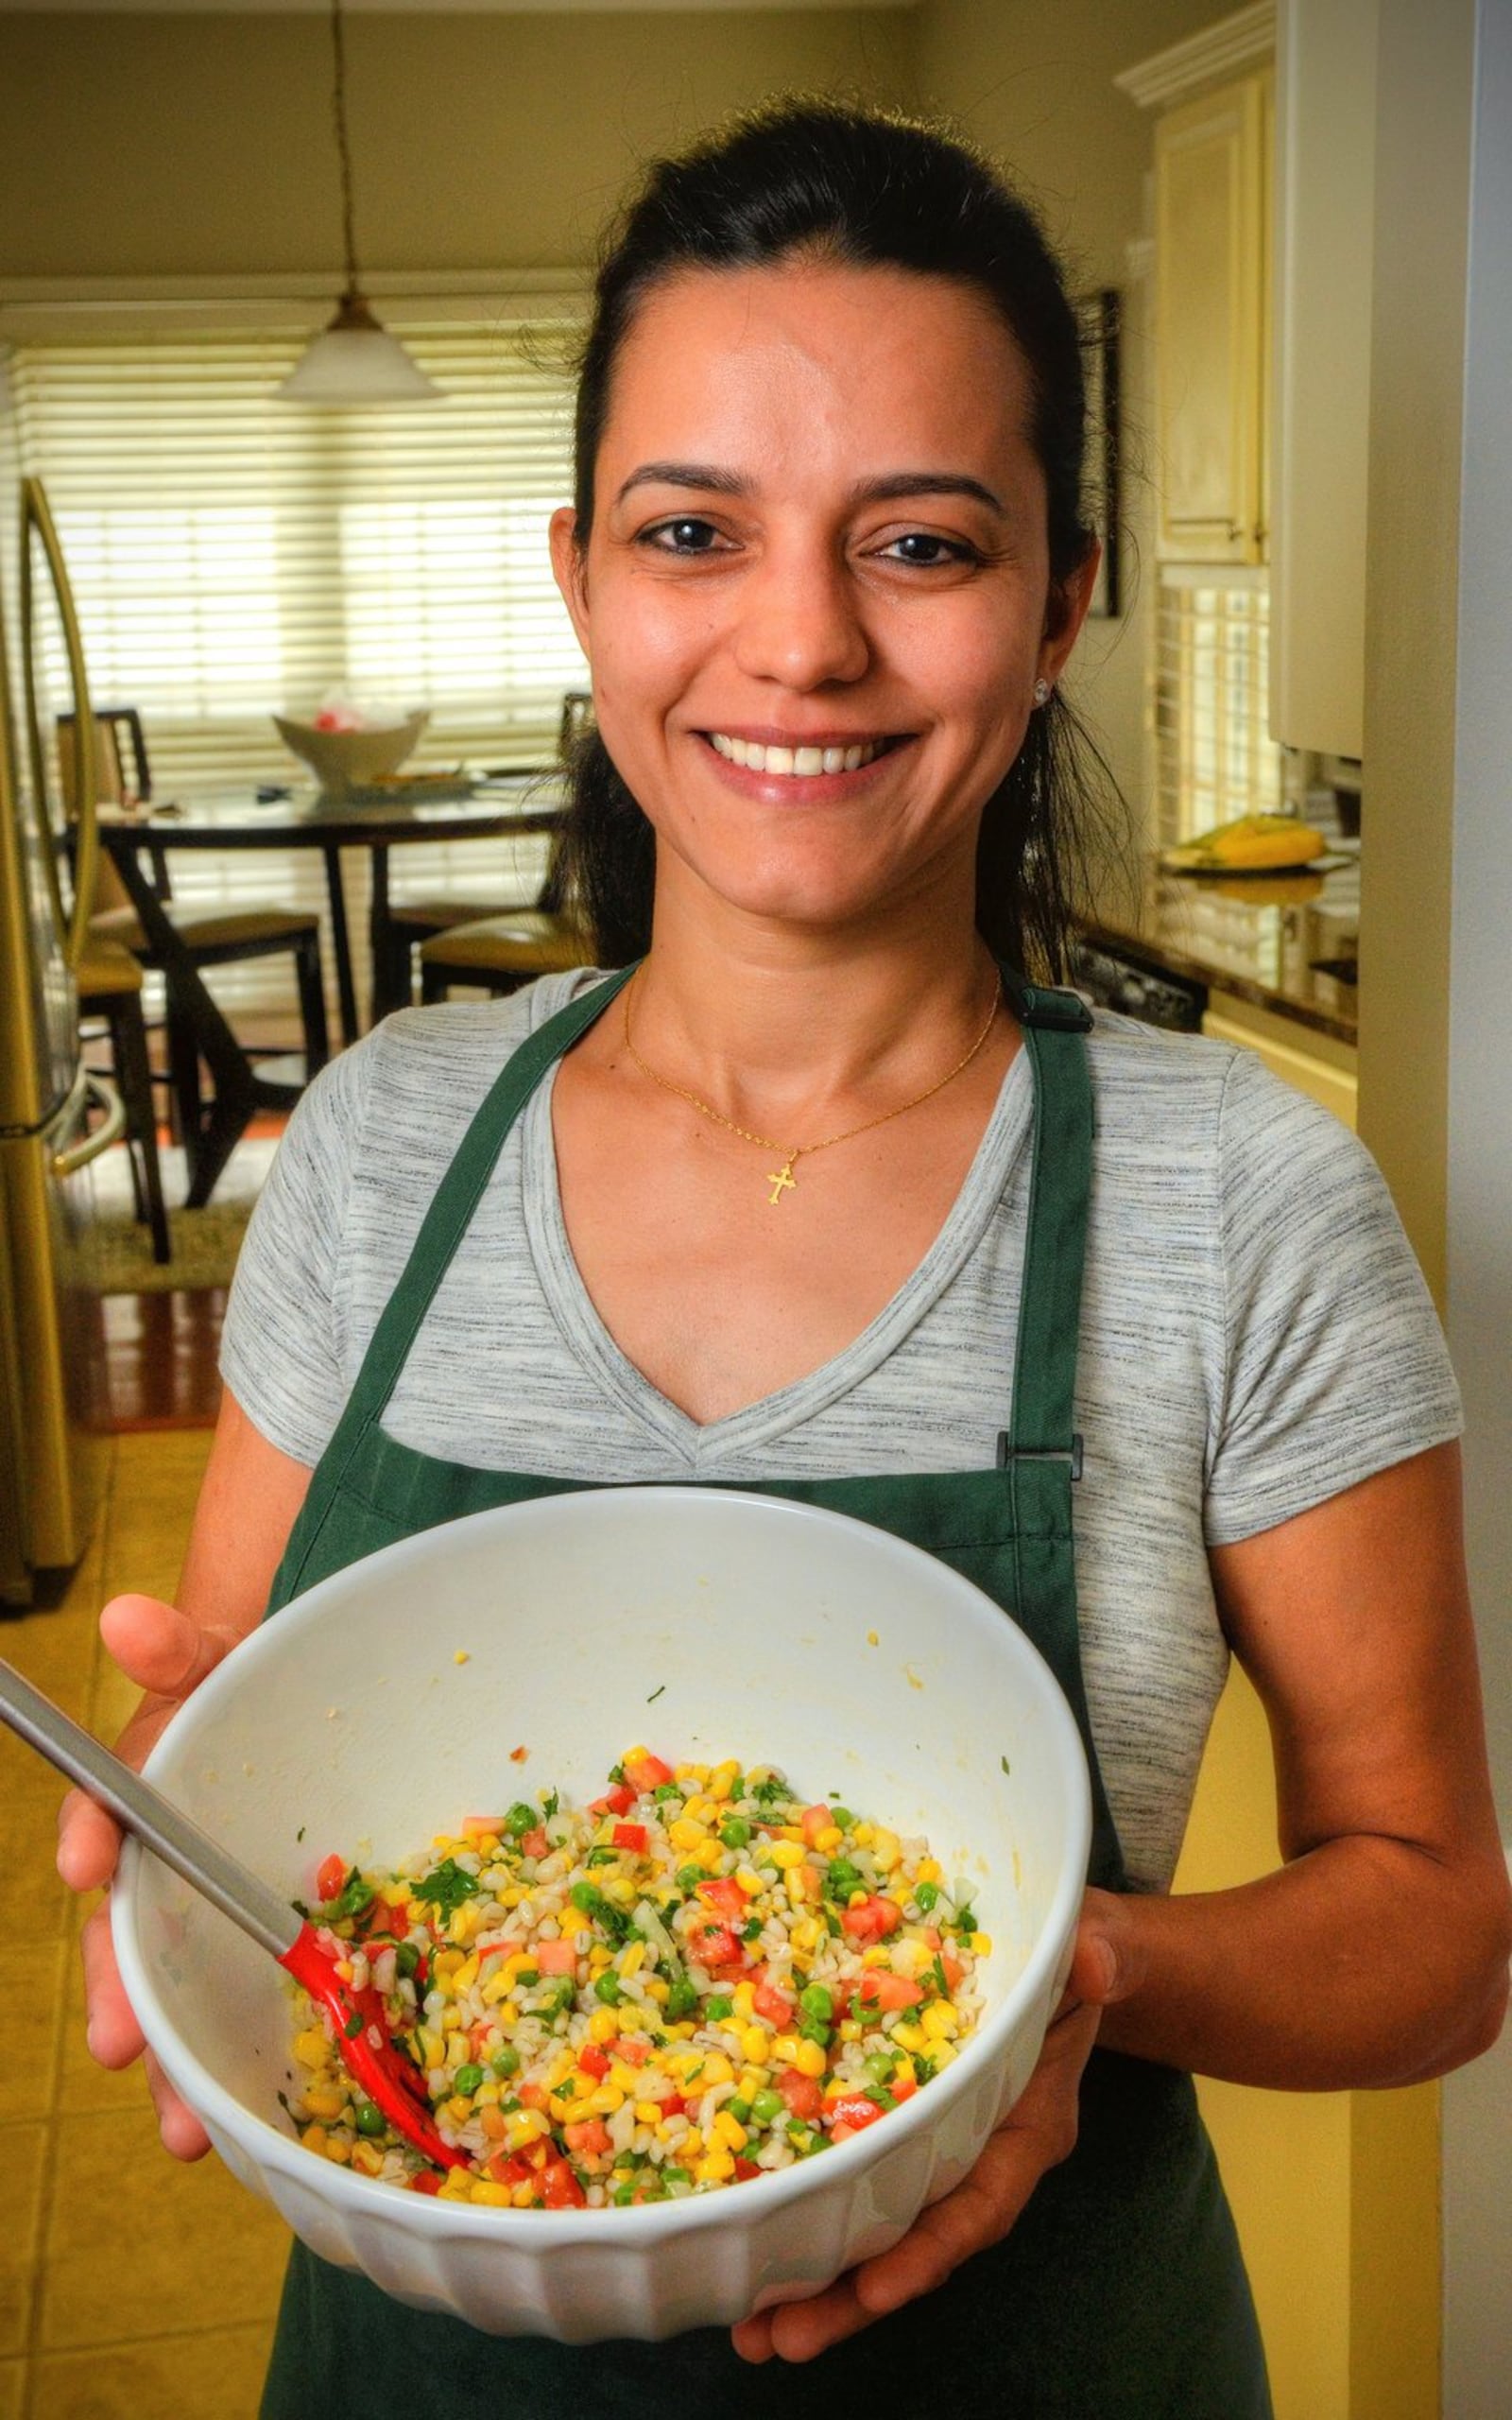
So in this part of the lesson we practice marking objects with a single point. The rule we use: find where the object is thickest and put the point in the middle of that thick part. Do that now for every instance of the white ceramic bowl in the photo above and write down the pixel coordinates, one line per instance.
(706, 1623)
(343, 760)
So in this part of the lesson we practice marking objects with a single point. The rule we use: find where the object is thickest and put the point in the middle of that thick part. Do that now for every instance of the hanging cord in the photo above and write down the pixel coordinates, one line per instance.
(339, 113)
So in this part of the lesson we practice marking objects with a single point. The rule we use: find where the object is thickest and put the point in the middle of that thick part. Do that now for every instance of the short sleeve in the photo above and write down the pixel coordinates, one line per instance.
(280, 1352)
(1334, 1363)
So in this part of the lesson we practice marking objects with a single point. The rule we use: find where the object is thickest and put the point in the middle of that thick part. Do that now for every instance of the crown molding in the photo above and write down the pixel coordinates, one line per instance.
(1245, 40)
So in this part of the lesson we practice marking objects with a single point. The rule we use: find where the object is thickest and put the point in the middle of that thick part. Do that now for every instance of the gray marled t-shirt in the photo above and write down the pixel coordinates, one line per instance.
(1255, 1335)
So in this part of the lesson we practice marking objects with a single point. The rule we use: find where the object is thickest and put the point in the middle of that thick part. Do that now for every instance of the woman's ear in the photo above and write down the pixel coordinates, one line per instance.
(1065, 612)
(569, 569)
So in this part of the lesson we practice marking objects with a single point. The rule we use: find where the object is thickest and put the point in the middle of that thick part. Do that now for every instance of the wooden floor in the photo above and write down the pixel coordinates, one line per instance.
(132, 2288)
(160, 1359)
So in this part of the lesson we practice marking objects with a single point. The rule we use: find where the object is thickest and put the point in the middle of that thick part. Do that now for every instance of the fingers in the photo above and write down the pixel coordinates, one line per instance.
(183, 2135)
(114, 2035)
(158, 1647)
(799, 2331)
(1107, 1963)
(88, 1844)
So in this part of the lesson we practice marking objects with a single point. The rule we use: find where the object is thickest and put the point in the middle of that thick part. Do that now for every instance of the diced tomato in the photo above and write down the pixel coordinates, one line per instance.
(873, 1920)
(507, 2169)
(617, 1801)
(879, 1989)
(802, 2094)
(646, 1772)
(631, 2048)
(518, 1755)
(903, 2087)
(557, 1957)
(724, 1894)
(534, 1843)
(589, 2137)
(814, 1819)
(330, 1877)
(426, 2181)
(594, 2060)
(744, 2168)
(852, 2110)
(531, 2096)
(931, 1933)
(772, 2004)
(953, 1969)
(476, 1827)
(559, 2188)
(498, 1949)
(478, 2034)
(630, 1836)
(714, 1945)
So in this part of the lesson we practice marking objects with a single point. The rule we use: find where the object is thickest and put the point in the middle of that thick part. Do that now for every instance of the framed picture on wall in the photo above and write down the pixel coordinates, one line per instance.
(1099, 317)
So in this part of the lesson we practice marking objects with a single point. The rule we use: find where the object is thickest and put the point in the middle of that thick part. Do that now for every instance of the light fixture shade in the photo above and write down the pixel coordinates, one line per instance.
(354, 364)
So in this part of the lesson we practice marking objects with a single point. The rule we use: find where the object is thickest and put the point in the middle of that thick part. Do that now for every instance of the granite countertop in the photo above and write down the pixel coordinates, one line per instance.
(1287, 942)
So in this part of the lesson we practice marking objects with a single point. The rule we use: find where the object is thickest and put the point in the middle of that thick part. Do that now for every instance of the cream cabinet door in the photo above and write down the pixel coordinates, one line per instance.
(1211, 189)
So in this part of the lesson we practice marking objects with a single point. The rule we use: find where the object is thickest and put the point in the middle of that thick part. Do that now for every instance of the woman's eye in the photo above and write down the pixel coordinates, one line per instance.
(687, 535)
(924, 549)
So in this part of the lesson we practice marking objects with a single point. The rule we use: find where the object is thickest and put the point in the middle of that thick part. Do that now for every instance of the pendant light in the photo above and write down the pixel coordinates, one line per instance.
(353, 363)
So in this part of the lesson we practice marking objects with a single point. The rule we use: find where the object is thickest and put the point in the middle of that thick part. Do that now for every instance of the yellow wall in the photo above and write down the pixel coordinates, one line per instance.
(165, 146)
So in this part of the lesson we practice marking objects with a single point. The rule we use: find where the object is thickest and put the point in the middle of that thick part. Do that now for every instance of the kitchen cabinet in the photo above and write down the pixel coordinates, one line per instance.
(1212, 323)
(1318, 1064)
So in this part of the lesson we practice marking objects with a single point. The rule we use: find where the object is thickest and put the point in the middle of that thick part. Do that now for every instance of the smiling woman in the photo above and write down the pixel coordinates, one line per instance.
(1111, 1322)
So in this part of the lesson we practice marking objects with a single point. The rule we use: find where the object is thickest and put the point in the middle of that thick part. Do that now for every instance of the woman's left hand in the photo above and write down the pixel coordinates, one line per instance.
(1038, 2134)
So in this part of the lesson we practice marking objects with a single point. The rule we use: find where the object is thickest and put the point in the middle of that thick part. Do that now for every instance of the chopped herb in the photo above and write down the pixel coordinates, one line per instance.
(299, 1909)
(938, 1969)
(352, 2027)
(1004, 1762)
(616, 1774)
(446, 1888)
(549, 1805)
(603, 1856)
(657, 1693)
(299, 1834)
(718, 2008)
(772, 1791)
(752, 1932)
(680, 2001)
(665, 1790)
(353, 1895)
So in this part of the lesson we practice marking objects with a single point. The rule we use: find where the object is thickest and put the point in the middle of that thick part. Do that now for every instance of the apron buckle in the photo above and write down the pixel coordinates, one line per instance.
(1009, 1452)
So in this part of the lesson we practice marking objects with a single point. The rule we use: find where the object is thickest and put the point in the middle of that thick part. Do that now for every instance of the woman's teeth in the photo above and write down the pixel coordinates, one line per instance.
(802, 762)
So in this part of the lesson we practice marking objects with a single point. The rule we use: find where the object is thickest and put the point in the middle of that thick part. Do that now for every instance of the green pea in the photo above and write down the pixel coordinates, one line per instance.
(521, 1818)
(717, 2009)
(680, 2001)
(370, 2119)
(586, 1897)
(818, 2000)
(624, 2196)
(925, 1897)
(813, 2029)
(879, 2068)
(506, 2063)
(739, 2109)
(688, 1877)
(765, 2106)
(467, 2078)
(735, 1833)
(843, 1817)
(607, 1990)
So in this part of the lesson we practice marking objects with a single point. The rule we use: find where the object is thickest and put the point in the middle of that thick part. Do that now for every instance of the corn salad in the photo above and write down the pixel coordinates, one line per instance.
(693, 1981)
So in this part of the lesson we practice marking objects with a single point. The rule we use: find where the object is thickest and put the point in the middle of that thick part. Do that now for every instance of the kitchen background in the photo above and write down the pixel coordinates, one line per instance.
(1303, 222)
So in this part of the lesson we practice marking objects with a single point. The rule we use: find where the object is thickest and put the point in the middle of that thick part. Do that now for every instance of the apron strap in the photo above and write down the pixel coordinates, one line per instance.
(451, 1209)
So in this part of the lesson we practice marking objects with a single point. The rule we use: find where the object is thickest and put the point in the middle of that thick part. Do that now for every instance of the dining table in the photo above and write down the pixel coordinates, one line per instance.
(141, 840)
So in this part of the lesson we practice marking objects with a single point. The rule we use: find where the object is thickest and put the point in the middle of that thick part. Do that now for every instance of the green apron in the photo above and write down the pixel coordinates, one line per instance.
(1120, 2294)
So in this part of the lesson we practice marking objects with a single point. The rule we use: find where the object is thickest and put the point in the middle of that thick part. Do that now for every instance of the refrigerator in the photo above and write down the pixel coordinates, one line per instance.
(56, 1118)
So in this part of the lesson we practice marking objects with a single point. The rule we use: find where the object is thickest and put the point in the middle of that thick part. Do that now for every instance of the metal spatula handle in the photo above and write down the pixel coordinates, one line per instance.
(143, 1812)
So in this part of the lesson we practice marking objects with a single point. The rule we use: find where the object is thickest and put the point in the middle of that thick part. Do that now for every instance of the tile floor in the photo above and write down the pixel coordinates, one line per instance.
(130, 2285)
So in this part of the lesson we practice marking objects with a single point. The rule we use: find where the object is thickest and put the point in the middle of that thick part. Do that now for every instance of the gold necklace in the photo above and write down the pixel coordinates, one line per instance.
(782, 1180)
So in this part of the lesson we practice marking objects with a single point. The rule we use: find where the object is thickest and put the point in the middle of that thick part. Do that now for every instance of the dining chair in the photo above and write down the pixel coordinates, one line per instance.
(499, 953)
(109, 981)
(213, 937)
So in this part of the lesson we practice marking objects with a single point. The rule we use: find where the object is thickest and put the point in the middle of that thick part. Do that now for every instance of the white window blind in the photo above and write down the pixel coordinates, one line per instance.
(232, 556)
(1214, 757)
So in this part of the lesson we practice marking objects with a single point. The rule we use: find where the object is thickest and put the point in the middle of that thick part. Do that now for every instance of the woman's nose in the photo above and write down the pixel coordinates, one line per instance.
(798, 620)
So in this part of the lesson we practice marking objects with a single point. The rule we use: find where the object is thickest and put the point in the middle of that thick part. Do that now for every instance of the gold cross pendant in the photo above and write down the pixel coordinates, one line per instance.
(780, 1180)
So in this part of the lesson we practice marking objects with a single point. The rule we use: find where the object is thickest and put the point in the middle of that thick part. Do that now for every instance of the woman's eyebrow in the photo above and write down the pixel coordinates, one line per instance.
(889, 487)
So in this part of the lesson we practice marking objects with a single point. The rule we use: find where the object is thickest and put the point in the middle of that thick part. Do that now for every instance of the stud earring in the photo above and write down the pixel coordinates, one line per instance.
(1041, 692)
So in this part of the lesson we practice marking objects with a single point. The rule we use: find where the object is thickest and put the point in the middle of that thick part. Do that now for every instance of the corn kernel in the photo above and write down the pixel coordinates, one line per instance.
(784, 2049)
(493, 2197)
(311, 2048)
(876, 1956)
(942, 2053)
(525, 2126)
(486, 2095)
(744, 1998)
(513, 1897)
(749, 1882)
(599, 1961)
(690, 2144)
(619, 1888)
(648, 2112)
(755, 2044)
(603, 2025)
(885, 1849)
(625, 2076)
(574, 1922)
(716, 2168)
(849, 2030)
(456, 2186)
(787, 1853)
(729, 2132)
(325, 2100)
(493, 2121)
(939, 2021)
(654, 1991)
(467, 1974)
(864, 1835)
(929, 1871)
(858, 1898)
(805, 1934)
(710, 1854)
(523, 2197)
(809, 2059)
(686, 1834)
(604, 2099)
(721, 1779)
(911, 2037)
(458, 2108)
(634, 1958)
(339, 2149)
(828, 1839)
(314, 2139)
(366, 2158)
(981, 1944)
(467, 1923)
(451, 2020)
(447, 1963)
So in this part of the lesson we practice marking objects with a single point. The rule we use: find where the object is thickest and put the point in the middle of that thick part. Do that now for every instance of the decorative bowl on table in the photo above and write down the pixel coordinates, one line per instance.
(535, 1644)
(345, 760)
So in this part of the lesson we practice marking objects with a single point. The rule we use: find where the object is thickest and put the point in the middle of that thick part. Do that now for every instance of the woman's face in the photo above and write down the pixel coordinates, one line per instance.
(816, 594)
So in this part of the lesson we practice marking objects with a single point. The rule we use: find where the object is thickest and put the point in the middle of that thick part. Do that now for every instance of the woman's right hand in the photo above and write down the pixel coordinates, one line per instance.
(167, 1654)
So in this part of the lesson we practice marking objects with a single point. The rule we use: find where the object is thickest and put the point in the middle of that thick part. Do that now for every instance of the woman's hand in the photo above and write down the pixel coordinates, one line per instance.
(167, 1655)
(1038, 2134)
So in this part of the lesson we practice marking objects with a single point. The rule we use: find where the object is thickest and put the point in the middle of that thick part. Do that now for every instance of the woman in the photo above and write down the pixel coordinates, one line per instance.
(763, 1215)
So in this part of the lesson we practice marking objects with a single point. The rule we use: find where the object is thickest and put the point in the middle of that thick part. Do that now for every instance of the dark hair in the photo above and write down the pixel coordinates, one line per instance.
(867, 188)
